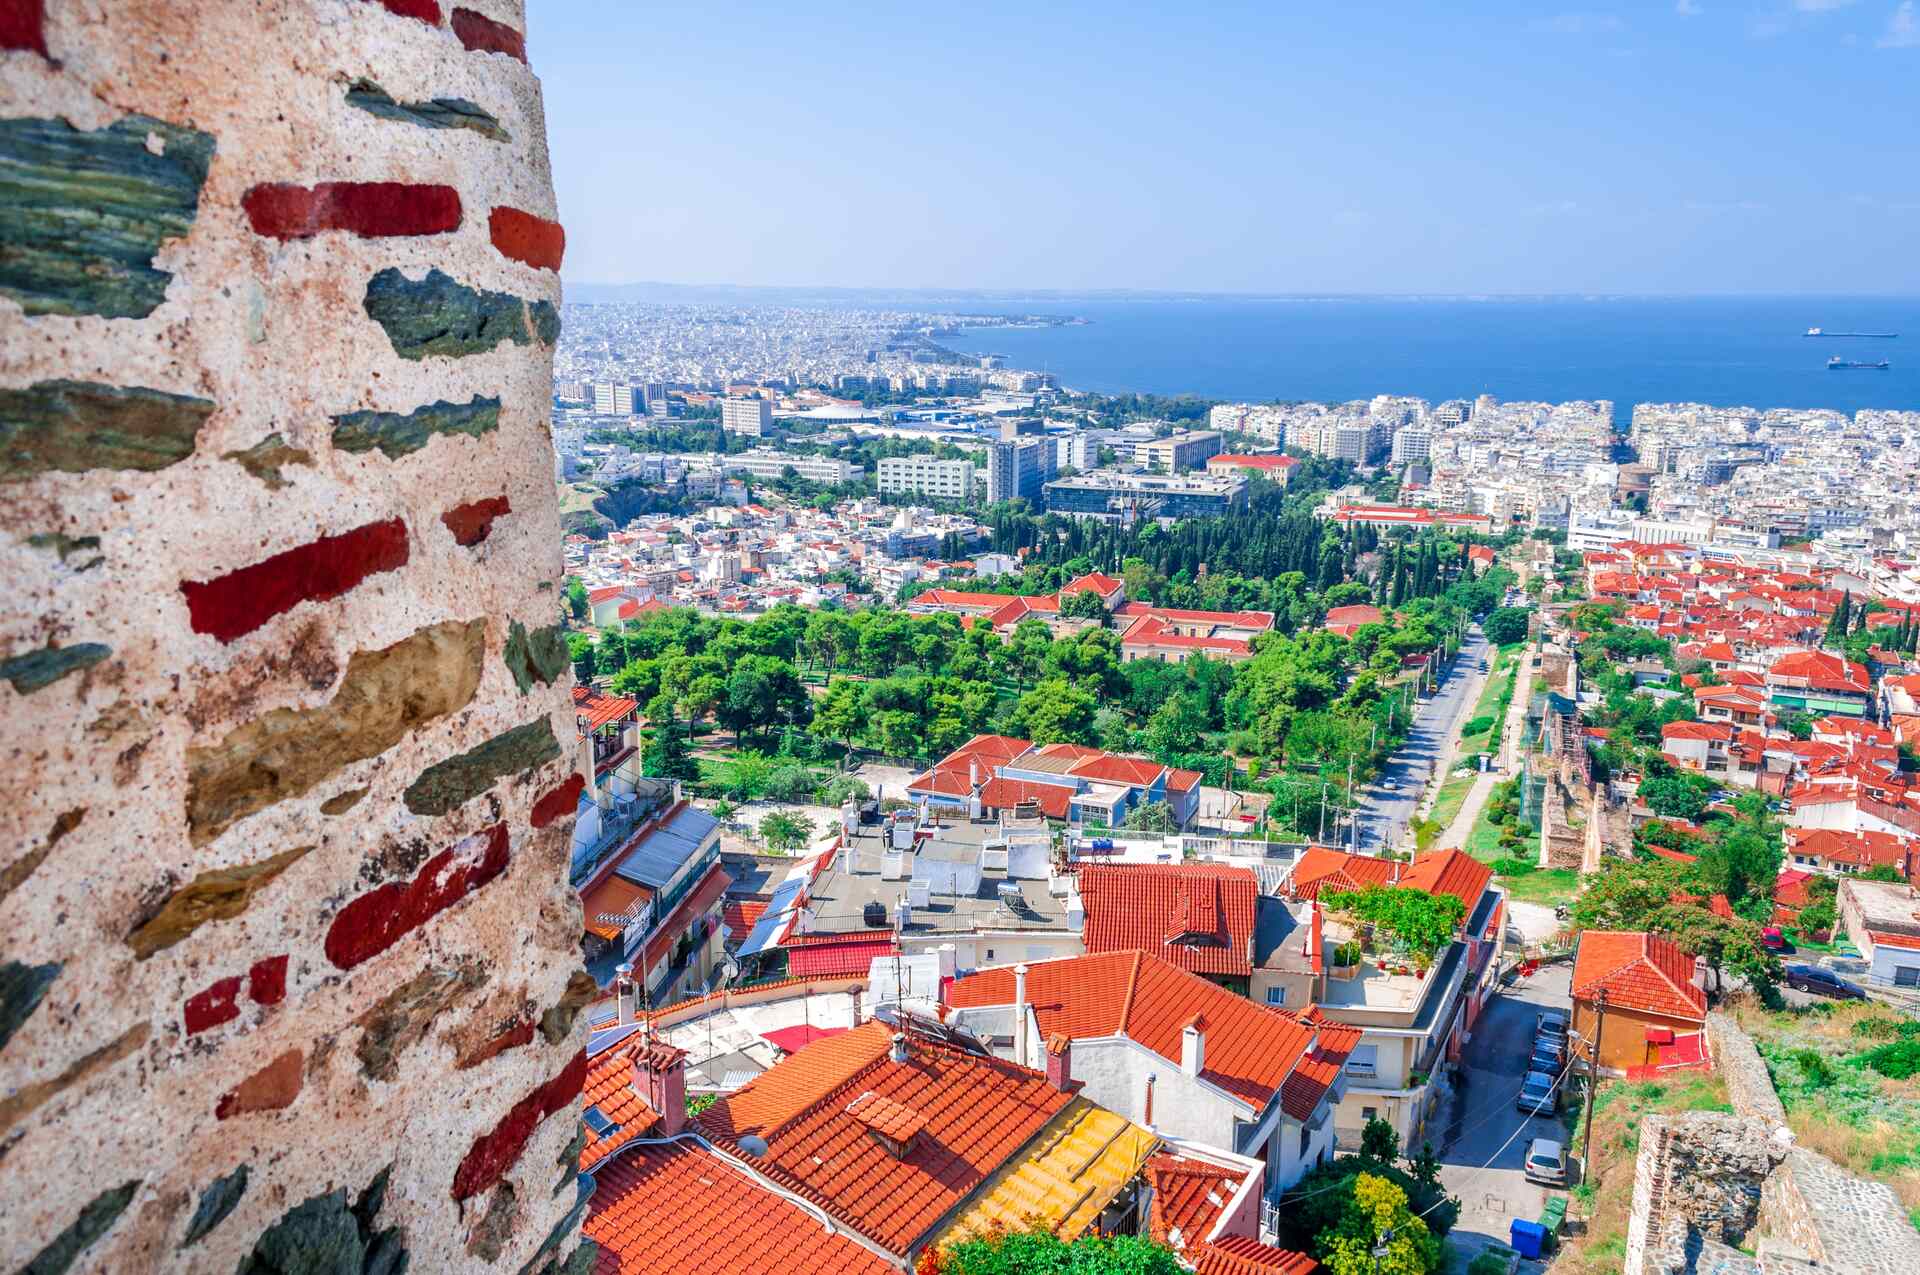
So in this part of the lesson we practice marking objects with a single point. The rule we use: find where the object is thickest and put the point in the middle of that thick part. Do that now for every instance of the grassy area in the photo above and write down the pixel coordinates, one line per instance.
(1605, 1193)
(1545, 886)
(1864, 1121)
(1499, 681)
(1447, 803)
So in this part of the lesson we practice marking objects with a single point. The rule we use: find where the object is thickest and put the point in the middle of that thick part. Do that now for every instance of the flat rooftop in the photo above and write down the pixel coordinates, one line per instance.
(840, 895)
(727, 1047)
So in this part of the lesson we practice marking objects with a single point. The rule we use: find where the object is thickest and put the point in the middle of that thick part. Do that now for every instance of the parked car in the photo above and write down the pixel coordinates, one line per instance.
(1547, 1057)
(1811, 978)
(1539, 1095)
(1546, 1162)
(1551, 1023)
(1774, 940)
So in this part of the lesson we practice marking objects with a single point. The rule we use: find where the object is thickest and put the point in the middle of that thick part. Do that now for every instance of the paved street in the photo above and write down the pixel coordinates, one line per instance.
(1487, 1138)
(1387, 805)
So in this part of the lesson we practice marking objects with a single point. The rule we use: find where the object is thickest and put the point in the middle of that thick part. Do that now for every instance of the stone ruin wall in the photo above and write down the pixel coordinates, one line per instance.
(290, 976)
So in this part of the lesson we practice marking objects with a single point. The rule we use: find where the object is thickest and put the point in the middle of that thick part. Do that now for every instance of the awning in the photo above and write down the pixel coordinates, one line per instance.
(1659, 1035)
(818, 960)
(797, 1037)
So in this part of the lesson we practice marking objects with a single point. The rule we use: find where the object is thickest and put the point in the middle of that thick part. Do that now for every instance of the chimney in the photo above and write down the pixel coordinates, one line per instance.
(856, 1007)
(622, 993)
(899, 1050)
(1146, 1117)
(1060, 1062)
(1193, 1045)
(1020, 1014)
(660, 1073)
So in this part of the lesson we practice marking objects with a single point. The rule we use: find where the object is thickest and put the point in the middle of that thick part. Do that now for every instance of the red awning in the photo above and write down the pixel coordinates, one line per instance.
(1659, 1035)
(823, 959)
(797, 1037)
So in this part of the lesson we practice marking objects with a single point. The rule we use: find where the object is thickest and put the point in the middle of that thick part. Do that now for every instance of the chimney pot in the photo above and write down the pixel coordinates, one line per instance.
(899, 1050)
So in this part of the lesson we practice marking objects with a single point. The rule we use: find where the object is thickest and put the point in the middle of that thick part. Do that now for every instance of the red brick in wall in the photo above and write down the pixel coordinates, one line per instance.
(21, 26)
(559, 802)
(234, 605)
(473, 522)
(427, 11)
(372, 210)
(528, 238)
(493, 1154)
(482, 34)
(380, 918)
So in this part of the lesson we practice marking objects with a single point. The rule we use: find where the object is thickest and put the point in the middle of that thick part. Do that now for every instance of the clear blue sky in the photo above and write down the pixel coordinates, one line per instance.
(1703, 146)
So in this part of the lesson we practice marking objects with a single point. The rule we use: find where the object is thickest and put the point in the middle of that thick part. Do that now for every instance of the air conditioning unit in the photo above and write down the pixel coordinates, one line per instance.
(919, 892)
(893, 866)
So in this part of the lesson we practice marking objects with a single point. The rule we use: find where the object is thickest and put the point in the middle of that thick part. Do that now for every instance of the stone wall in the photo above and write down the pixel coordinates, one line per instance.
(1749, 1087)
(290, 976)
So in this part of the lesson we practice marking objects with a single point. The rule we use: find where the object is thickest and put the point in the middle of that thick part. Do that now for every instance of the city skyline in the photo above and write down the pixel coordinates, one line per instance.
(1653, 150)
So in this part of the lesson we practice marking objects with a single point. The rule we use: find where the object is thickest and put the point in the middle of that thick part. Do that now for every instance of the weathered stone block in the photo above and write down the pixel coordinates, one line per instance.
(219, 894)
(233, 605)
(482, 34)
(519, 1034)
(405, 1015)
(72, 427)
(384, 696)
(17, 1105)
(37, 670)
(220, 1198)
(447, 785)
(557, 1023)
(22, 988)
(271, 1088)
(546, 321)
(380, 918)
(438, 316)
(94, 1221)
(398, 434)
(266, 458)
(439, 112)
(539, 656)
(85, 548)
(82, 213)
(525, 237)
(372, 210)
(494, 1153)
(472, 522)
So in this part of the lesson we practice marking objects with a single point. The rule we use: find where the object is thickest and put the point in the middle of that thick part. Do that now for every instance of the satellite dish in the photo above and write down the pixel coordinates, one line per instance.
(730, 968)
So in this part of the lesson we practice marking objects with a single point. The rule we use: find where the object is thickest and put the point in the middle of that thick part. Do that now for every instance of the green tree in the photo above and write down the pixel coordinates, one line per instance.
(576, 598)
(1420, 920)
(1377, 1209)
(1624, 892)
(841, 714)
(1055, 711)
(1379, 1140)
(1504, 625)
(785, 831)
(1083, 604)
(580, 651)
(666, 755)
(1150, 816)
(763, 692)
(1673, 797)
(1882, 872)
(1041, 1252)
(1744, 862)
(748, 773)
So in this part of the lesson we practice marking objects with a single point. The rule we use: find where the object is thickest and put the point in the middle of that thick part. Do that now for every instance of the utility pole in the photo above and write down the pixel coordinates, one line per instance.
(1593, 1078)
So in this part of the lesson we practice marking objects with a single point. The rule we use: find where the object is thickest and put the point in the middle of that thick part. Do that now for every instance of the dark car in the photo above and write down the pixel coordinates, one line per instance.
(1548, 1058)
(1811, 978)
(1539, 1095)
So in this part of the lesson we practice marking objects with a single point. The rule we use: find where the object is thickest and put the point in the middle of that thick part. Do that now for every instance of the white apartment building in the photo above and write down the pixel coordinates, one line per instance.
(1412, 444)
(750, 416)
(928, 476)
(1189, 449)
(1079, 450)
(765, 463)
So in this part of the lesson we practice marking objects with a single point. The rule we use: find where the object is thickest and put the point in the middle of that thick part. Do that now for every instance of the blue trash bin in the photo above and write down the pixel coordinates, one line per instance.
(1529, 1238)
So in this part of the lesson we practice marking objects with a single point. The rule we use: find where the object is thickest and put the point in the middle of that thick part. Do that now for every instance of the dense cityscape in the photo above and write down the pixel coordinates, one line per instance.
(772, 780)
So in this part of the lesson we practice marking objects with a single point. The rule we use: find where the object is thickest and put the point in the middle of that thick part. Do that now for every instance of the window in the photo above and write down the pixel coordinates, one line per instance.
(1369, 1113)
(1906, 976)
(989, 953)
(1276, 996)
(1362, 1060)
(1306, 1141)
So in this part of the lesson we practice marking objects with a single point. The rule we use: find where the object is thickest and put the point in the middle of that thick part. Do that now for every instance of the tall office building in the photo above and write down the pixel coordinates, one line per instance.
(615, 398)
(1412, 444)
(942, 479)
(750, 416)
(1019, 469)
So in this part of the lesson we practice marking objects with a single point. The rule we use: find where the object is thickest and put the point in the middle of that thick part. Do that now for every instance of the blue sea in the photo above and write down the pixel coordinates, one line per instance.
(1726, 351)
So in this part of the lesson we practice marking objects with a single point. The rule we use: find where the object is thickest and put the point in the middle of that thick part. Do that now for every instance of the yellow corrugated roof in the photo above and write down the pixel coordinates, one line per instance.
(1077, 1164)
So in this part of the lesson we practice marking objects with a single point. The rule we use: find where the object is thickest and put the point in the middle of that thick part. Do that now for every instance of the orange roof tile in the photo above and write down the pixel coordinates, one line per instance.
(612, 896)
(977, 1113)
(674, 1206)
(1637, 970)
(1198, 916)
(886, 1117)
(610, 1087)
(1251, 1049)
(1189, 1195)
(1054, 800)
(1451, 872)
(596, 709)
(1320, 868)
(1239, 1255)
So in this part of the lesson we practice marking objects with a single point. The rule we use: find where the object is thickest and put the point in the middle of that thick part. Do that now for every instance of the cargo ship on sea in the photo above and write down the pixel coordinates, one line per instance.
(1838, 364)
(1872, 336)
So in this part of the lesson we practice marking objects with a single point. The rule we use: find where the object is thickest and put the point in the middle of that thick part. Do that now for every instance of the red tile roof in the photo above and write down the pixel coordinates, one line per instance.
(1199, 916)
(679, 1206)
(977, 1113)
(1347, 619)
(1099, 582)
(1055, 800)
(1820, 671)
(1639, 971)
(1451, 872)
(822, 959)
(1322, 869)
(1189, 1195)
(1253, 462)
(1316, 1073)
(740, 915)
(1251, 1050)
(597, 708)
(610, 1087)
(1238, 1255)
